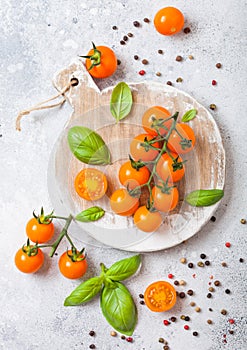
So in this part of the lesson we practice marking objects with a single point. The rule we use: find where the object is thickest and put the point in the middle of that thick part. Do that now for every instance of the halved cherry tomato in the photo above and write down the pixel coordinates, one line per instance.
(39, 233)
(170, 169)
(160, 296)
(183, 141)
(122, 203)
(91, 184)
(169, 21)
(101, 61)
(156, 114)
(26, 263)
(131, 178)
(165, 201)
(137, 150)
(147, 220)
(72, 269)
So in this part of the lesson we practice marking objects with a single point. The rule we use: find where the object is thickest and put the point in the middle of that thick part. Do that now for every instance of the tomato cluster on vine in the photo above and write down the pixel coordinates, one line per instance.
(155, 163)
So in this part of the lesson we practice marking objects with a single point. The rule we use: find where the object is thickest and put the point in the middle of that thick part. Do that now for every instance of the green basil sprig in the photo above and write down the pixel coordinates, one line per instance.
(90, 214)
(204, 198)
(121, 101)
(116, 302)
(88, 146)
(189, 115)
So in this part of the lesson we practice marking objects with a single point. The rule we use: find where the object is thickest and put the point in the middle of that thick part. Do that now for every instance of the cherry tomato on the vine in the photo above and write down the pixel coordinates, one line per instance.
(170, 169)
(130, 177)
(160, 296)
(147, 220)
(183, 141)
(39, 233)
(169, 21)
(101, 61)
(122, 203)
(154, 115)
(72, 269)
(165, 201)
(138, 151)
(90, 184)
(26, 263)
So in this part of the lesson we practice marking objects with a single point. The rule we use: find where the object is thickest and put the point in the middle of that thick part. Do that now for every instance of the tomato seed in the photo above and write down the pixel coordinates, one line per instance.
(228, 244)
(214, 82)
(142, 72)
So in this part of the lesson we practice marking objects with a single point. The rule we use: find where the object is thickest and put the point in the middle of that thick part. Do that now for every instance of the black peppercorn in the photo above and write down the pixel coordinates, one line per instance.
(231, 332)
(203, 256)
(227, 291)
(144, 61)
(210, 309)
(187, 318)
(195, 334)
(114, 27)
(213, 218)
(123, 337)
(207, 263)
(136, 24)
(146, 20)
(92, 346)
(182, 295)
(176, 283)
(141, 296)
(92, 333)
(169, 83)
(209, 295)
(130, 35)
(118, 62)
(173, 319)
(241, 260)
(190, 292)
(160, 52)
(187, 30)
(217, 283)
(190, 265)
(142, 302)
(218, 65)
(136, 57)
(125, 38)
(122, 42)
(179, 58)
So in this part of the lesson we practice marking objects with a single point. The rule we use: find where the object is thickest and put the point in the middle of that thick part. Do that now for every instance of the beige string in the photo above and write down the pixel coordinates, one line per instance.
(39, 106)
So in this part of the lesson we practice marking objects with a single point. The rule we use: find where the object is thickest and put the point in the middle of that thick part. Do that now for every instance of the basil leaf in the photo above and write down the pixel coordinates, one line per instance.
(124, 268)
(90, 214)
(121, 101)
(189, 115)
(204, 198)
(84, 292)
(119, 308)
(88, 146)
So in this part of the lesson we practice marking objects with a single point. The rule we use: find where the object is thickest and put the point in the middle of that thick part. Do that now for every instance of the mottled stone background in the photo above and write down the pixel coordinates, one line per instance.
(40, 37)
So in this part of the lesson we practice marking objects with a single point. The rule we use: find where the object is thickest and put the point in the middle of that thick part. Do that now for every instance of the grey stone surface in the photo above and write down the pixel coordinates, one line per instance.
(38, 38)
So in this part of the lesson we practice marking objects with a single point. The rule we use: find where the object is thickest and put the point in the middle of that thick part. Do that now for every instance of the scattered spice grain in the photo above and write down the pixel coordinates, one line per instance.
(231, 321)
(181, 295)
(187, 30)
(179, 80)
(209, 295)
(129, 340)
(213, 107)
(141, 296)
(187, 318)
(122, 42)
(182, 283)
(211, 289)
(231, 331)
(158, 74)
(186, 327)
(218, 65)
(136, 57)
(144, 61)
(217, 283)
(170, 275)
(160, 52)
(190, 265)
(190, 292)
(200, 264)
(214, 82)
(195, 334)
(161, 340)
(142, 302)
(91, 333)
(173, 319)
(223, 312)
(118, 62)
(203, 256)
(113, 333)
(191, 57)
(146, 20)
(166, 322)
(136, 24)
(123, 337)
(213, 219)
(197, 309)
(183, 260)
(243, 221)
(227, 291)
(166, 347)
(125, 38)
(207, 262)
(192, 303)
(130, 35)
(176, 283)
(241, 260)
(228, 244)
(224, 264)
(92, 346)
(142, 72)
(209, 321)
(182, 317)
(179, 58)
(169, 83)
(114, 27)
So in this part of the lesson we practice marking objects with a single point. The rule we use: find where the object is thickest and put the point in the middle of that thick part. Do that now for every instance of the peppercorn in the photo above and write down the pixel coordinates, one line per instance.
(231, 321)
(183, 260)
(231, 331)
(243, 221)
(187, 318)
(161, 340)
(170, 275)
(187, 30)
(129, 339)
(166, 322)
(213, 107)
(166, 347)
(227, 291)
(118, 62)
(186, 327)
(113, 333)
(92, 346)
(190, 292)
(176, 283)
(182, 283)
(179, 80)
(146, 20)
(213, 218)
(114, 27)
(223, 312)
(169, 83)
(158, 74)
(179, 58)
(125, 38)
(200, 264)
(142, 72)
(141, 296)
(122, 42)
(144, 61)
(142, 302)
(197, 309)
(130, 35)
(214, 82)
(181, 295)
(191, 57)
(190, 265)
(209, 309)
(91, 333)
(224, 264)
(160, 52)
(209, 321)
(203, 256)
(217, 283)
(209, 295)
(136, 57)
(182, 317)
(218, 65)
(241, 260)
(136, 24)
(173, 319)
(192, 303)
(228, 244)
(211, 289)
(207, 263)
(123, 337)
(195, 334)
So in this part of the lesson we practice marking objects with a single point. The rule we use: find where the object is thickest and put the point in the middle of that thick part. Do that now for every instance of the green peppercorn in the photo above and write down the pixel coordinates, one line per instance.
(200, 264)
(211, 289)
(212, 106)
(182, 317)
(161, 340)
(243, 221)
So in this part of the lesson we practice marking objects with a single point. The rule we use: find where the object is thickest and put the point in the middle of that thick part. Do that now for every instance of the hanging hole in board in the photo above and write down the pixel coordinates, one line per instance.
(74, 81)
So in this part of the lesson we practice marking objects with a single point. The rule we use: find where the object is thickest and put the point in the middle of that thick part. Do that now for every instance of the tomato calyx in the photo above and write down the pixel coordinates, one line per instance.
(176, 165)
(136, 164)
(30, 250)
(185, 143)
(147, 144)
(95, 58)
(165, 187)
(42, 218)
(76, 255)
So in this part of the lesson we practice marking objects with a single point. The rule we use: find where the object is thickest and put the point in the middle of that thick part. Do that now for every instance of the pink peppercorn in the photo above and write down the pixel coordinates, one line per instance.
(166, 322)
(228, 244)
(214, 82)
(231, 321)
(170, 275)
(129, 339)
(142, 72)
(186, 327)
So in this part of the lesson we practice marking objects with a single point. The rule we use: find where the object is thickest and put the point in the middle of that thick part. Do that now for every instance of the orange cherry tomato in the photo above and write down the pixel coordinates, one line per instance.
(169, 21)
(146, 220)
(137, 150)
(90, 184)
(101, 62)
(39, 233)
(160, 296)
(26, 263)
(165, 202)
(183, 141)
(156, 113)
(131, 178)
(168, 169)
(72, 269)
(122, 203)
